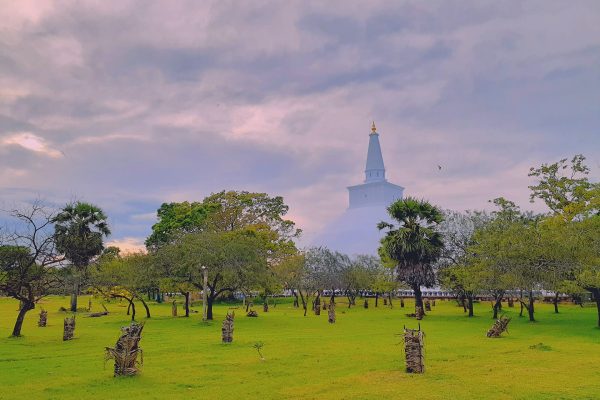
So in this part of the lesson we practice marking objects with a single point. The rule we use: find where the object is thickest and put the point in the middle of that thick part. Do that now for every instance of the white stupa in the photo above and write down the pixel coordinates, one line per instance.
(355, 231)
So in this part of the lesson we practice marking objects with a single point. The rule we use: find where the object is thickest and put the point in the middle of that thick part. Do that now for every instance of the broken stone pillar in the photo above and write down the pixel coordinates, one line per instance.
(227, 329)
(43, 318)
(331, 312)
(126, 351)
(414, 350)
(69, 328)
(499, 326)
(427, 305)
(419, 312)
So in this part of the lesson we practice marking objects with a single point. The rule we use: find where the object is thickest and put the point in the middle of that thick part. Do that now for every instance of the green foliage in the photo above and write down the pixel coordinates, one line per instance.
(177, 218)
(19, 271)
(79, 231)
(303, 355)
(234, 210)
(415, 244)
(561, 184)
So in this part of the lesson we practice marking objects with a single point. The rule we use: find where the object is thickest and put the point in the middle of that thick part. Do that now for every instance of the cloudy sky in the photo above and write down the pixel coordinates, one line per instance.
(128, 104)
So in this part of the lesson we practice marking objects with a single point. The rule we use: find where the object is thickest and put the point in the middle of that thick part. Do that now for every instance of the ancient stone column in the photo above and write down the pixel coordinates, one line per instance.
(126, 351)
(43, 318)
(499, 326)
(419, 312)
(413, 349)
(331, 312)
(427, 305)
(227, 329)
(69, 328)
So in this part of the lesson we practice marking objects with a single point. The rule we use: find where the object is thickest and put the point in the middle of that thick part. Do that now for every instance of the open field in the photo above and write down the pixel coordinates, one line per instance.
(306, 358)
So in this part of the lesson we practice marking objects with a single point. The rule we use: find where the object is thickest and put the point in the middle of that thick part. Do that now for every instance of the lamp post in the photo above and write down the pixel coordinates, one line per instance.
(204, 294)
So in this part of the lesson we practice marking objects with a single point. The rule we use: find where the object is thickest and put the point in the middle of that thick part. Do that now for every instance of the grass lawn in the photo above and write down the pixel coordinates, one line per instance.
(359, 357)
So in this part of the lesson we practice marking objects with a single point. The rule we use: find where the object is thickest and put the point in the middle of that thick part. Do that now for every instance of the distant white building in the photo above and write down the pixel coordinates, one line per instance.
(355, 231)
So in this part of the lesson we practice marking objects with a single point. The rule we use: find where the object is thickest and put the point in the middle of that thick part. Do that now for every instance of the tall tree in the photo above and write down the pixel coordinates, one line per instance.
(28, 259)
(414, 244)
(566, 190)
(79, 234)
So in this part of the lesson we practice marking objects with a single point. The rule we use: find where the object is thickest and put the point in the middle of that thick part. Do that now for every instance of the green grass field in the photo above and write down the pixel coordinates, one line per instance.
(359, 357)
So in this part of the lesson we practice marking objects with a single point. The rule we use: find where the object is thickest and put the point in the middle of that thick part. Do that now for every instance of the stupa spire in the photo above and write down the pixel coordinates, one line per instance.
(375, 170)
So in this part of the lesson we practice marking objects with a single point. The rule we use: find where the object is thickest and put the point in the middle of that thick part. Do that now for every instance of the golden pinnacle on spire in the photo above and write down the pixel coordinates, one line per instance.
(373, 129)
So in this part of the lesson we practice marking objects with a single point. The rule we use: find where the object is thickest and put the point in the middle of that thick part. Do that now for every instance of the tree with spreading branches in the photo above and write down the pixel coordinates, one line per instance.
(28, 260)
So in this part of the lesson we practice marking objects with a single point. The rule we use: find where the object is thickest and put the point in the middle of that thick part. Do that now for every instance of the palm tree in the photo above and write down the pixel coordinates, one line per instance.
(414, 245)
(79, 230)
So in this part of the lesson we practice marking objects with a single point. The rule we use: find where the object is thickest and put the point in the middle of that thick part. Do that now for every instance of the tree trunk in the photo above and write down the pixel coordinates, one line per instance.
(596, 294)
(132, 309)
(26, 306)
(498, 303)
(470, 302)
(530, 309)
(145, 306)
(521, 312)
(187, 304)
(296, 302)
(129, 309)
(209, 308)
(555, 301)
(390, 300)
(75, 293)
(376, 298)
(418, 297)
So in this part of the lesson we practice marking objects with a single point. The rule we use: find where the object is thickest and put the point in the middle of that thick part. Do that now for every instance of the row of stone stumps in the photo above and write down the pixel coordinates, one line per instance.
(68, 325)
